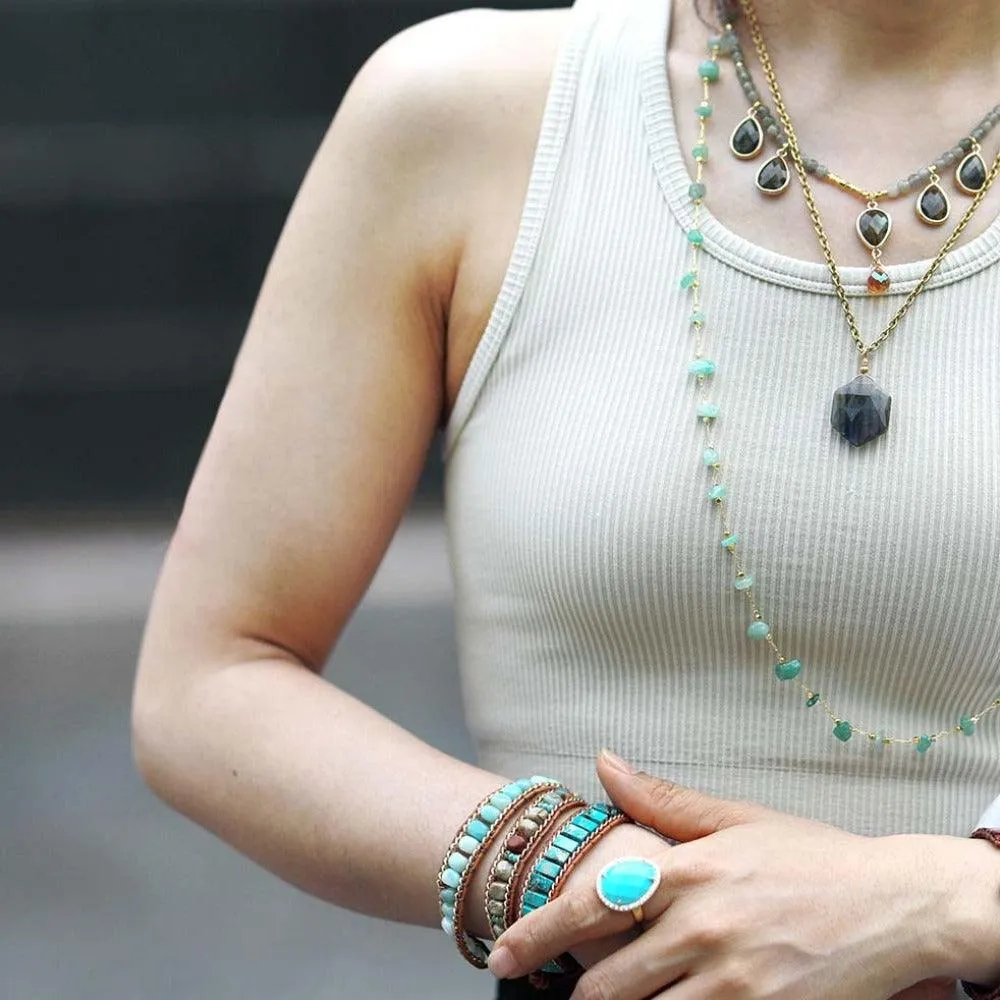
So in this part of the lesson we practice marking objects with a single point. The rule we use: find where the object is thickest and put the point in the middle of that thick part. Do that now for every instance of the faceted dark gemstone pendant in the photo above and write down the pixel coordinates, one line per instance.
(861, 410)
(873, 227)
(747, 139)
(773, 177)
(970, 174)
(933, 206)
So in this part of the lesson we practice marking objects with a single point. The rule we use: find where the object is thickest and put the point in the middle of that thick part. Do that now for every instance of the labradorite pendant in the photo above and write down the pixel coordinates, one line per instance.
(861, 410)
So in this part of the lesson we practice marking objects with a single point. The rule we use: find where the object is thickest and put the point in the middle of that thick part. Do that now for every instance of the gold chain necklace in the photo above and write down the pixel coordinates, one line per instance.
(861, 408)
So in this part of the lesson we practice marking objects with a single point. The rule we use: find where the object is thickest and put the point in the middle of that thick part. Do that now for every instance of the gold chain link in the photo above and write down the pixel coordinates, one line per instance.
(796, 156)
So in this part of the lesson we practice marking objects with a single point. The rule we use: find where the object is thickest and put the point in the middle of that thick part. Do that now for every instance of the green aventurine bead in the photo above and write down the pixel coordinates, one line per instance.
(704, 110)
(744, 582)
(710, 457)
(696, 237)
(708, 69)
(758, 630)
(843, 731)
(924, 744)
(697, 318)
(696, 191)
(689, 280)
(812, 700)
(788, 670)
(700, 152)
(702, 367)
(730, 542)
(708, 411)
(967, 724)
(717, 492)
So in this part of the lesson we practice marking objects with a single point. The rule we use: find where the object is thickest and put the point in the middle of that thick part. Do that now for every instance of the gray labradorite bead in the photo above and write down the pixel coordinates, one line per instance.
(861, 410)
(772, 130)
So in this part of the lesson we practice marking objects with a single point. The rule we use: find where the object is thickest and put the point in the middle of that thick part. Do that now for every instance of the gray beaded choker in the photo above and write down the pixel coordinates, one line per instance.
(874, 224)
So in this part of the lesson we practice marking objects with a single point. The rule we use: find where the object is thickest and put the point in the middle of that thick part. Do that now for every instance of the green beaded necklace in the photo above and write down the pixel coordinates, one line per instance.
(702, 369)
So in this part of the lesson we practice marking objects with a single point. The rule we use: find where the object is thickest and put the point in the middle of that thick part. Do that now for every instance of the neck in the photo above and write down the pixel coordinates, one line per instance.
(928, 39)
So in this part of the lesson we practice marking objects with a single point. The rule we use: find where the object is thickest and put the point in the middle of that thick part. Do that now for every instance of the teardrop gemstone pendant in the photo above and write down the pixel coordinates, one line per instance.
(773, 177)
(873, 227)
(970, 174)
(933, 206)
(747, 139)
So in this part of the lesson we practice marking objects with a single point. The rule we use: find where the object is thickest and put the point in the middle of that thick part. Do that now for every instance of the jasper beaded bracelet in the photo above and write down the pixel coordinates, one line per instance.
(505, 874)
(467, 850)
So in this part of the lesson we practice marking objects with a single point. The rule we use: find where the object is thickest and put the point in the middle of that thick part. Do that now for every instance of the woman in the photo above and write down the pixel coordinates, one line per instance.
(500, 234)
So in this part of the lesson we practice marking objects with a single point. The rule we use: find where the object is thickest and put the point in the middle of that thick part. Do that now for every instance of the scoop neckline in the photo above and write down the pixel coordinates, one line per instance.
(728, 246)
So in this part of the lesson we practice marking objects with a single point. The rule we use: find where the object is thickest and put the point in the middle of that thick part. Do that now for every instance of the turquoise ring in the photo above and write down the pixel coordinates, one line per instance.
(627, 884)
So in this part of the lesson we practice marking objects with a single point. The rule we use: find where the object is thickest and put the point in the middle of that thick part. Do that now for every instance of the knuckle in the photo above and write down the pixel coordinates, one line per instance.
(735, 979)
(708, 934)
(595, 984)
(581, 911)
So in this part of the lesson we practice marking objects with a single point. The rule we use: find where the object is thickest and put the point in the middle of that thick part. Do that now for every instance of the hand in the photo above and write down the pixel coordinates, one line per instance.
(753, 903)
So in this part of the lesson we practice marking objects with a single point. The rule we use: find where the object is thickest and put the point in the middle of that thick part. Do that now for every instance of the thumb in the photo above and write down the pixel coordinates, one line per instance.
(675, 811)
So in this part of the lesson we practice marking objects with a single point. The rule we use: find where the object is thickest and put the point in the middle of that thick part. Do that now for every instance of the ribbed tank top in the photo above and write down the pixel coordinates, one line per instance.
(594, 605)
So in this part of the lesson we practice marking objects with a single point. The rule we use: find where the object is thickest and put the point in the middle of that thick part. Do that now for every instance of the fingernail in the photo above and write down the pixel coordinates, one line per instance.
(616, 762)
(502, 963)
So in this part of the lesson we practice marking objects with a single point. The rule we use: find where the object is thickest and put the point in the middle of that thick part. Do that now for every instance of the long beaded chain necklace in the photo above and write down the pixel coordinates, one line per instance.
(787, 670)
(874, 224)
(861, 408)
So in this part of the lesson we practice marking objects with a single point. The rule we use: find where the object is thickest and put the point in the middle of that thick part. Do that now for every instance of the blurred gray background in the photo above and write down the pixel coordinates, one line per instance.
(149, 151)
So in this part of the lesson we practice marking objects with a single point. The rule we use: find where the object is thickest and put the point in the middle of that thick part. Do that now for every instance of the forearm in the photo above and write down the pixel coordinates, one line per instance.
(310, 783)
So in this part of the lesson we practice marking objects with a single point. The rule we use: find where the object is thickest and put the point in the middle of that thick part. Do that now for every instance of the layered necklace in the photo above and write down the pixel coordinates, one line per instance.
(703, 369)
(874, 223)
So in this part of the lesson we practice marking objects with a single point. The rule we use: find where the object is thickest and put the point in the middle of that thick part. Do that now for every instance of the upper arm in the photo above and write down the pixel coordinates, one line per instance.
(337, 390)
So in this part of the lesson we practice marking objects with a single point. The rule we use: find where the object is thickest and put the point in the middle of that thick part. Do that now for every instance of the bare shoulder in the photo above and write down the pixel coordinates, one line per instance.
(468, 89)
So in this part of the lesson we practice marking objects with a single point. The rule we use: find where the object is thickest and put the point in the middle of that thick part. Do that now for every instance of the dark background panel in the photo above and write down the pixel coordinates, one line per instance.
(149, 152)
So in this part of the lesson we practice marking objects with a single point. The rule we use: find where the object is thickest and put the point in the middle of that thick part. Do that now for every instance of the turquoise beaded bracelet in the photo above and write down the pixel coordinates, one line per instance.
(468, 849)
(566, 847)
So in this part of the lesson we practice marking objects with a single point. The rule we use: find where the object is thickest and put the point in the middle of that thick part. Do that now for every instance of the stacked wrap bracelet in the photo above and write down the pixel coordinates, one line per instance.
(537, 820)
(564, 851)
(467, 850)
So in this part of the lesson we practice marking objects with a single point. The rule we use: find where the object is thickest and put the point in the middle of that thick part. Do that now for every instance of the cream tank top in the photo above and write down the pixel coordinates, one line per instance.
(594, 605)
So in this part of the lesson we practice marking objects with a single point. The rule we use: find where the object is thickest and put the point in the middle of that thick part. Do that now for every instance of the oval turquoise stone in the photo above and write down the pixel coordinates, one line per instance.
(708, 69)
(696, 191)
(843, 731)
(967, 724)
(743, 582)
(924, 744)
(478, 829)
(702, 367)
(628, 883)
(759, 630)
(788, 670)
